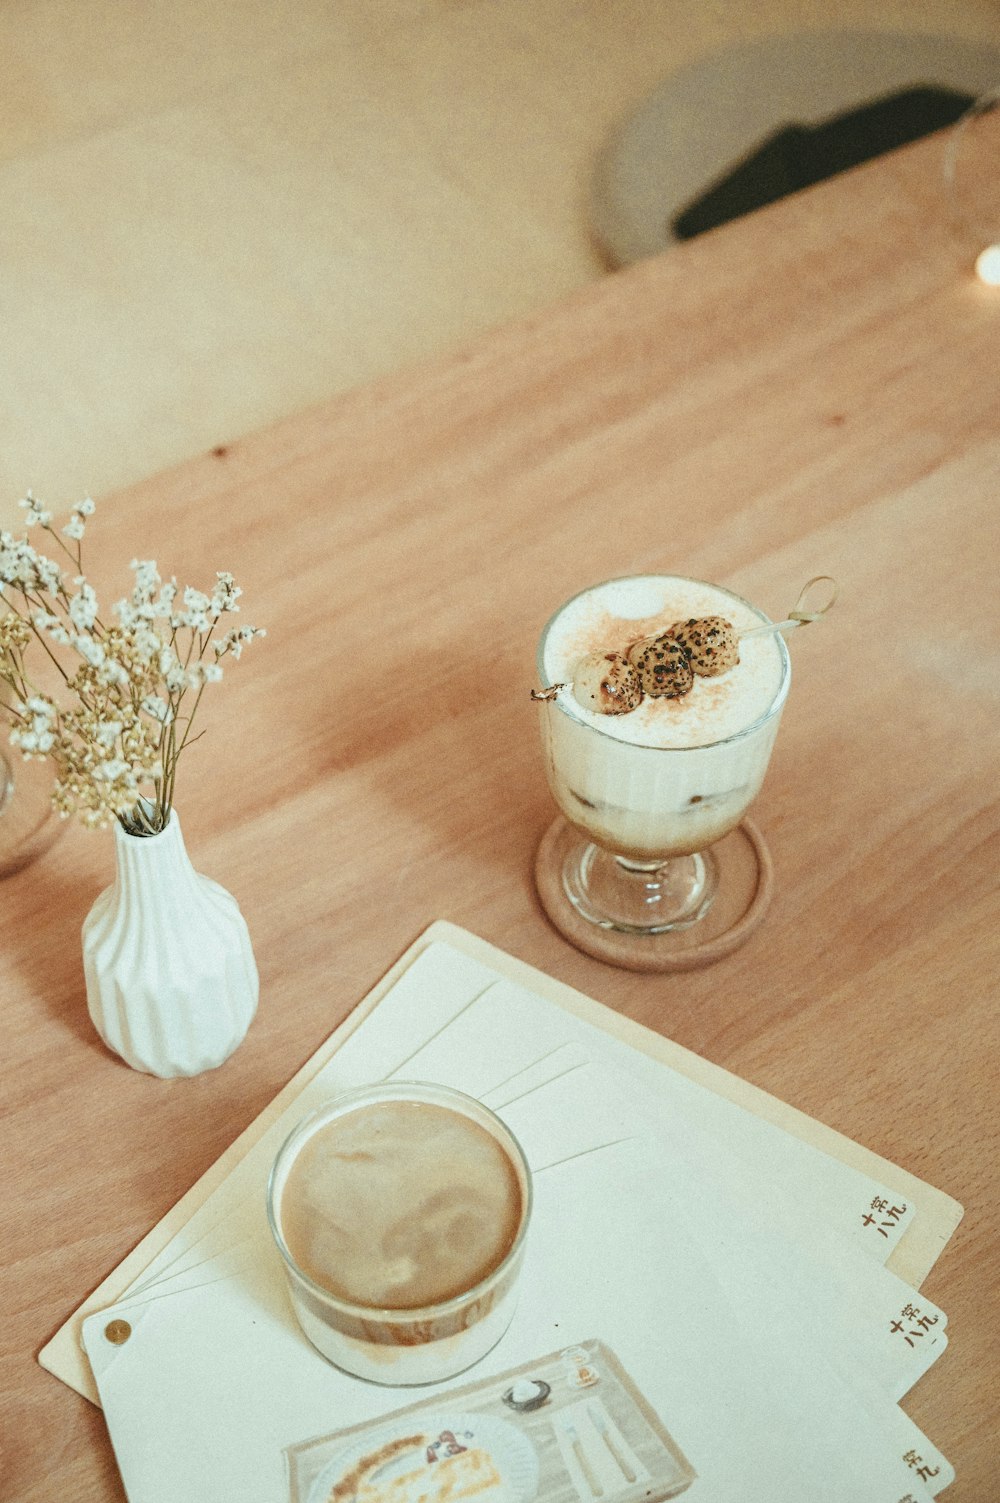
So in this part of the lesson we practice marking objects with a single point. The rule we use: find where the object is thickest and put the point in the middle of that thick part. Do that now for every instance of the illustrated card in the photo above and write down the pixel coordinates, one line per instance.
(570, 1427)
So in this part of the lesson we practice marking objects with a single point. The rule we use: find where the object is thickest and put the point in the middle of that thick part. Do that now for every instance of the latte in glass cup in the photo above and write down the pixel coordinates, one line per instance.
(401, 1212)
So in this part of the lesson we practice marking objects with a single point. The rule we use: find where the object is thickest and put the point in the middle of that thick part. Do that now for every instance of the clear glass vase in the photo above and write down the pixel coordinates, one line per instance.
(28, 822)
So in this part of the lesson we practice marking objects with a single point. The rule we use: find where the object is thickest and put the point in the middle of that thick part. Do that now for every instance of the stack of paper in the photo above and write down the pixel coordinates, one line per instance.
(736, 1271)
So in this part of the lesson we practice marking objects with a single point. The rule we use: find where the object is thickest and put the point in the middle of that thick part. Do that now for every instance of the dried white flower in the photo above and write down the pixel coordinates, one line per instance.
(111, 675)
(83, 606)
(163, 607)
(37, 516)
(147, 643)
(106, 732)
(235, 640)
(147, 580)
(45, 621)
(160, 710)
(34, 733)
(118, 737)
(90, 650)
(24, 568)
(196, 607)
(202, 673)
(32, 743)
(111, 770)
(224, 596)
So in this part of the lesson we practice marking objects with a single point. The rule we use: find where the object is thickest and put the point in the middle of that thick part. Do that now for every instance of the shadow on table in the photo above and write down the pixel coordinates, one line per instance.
(799, 156)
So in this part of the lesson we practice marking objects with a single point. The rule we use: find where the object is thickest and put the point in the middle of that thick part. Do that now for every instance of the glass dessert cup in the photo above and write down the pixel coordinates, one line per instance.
(651, 835)
(412, 1345)
(28, 822)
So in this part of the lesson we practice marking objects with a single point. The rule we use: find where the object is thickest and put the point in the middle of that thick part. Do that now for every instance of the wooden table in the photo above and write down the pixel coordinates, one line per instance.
(812, 390)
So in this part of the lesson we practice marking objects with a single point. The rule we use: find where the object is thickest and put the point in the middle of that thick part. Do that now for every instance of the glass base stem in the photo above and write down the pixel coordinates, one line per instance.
(639, 897)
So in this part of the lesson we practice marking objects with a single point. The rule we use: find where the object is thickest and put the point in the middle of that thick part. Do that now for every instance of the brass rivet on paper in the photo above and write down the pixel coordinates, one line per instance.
(117, 1331)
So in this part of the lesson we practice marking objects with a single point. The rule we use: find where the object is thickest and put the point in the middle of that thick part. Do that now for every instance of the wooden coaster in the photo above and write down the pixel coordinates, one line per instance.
(746, 881)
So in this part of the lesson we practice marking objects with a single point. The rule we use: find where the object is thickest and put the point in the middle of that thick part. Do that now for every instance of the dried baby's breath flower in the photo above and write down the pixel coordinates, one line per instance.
(116, 738)
(14, 632)
(236, 639)
(36, 515)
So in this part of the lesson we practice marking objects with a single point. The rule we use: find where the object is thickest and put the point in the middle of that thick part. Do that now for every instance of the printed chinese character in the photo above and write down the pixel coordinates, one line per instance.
(893, 1214)
(920, 1324)
(920, 1466)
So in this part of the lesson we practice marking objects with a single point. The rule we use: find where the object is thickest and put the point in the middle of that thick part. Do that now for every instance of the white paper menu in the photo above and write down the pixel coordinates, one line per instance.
(635, 1176)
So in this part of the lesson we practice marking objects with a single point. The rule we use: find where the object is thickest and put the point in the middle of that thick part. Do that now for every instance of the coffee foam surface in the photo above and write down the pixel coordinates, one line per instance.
(611, 615)
(400, 1204)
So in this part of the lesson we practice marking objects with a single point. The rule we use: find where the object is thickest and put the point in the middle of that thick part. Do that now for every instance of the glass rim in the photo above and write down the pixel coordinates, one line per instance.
(983, 226)
(404, 1090)
(568, 706)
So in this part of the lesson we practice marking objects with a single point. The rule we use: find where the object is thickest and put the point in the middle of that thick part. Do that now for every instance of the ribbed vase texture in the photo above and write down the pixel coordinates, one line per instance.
(171, 980)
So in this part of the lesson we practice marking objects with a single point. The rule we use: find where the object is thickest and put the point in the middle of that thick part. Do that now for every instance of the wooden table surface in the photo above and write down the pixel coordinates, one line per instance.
(812, 390)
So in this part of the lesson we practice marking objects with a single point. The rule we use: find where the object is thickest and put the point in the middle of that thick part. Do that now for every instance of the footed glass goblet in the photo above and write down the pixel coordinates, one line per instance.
(652, 864)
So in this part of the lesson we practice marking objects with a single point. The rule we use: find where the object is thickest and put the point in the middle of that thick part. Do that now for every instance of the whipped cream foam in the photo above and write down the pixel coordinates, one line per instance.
(611, 615)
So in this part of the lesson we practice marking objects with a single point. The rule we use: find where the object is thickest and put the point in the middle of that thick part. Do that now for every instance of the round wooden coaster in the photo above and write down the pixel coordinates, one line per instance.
(746, 881)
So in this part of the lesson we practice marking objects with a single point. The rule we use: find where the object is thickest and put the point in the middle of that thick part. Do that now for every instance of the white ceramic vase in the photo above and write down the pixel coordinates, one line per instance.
(171, 980)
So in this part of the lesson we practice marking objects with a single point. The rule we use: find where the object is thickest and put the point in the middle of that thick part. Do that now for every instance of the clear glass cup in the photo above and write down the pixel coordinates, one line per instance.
(974, 193)
(646, 816)
(417, 1345)
(28, 822)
